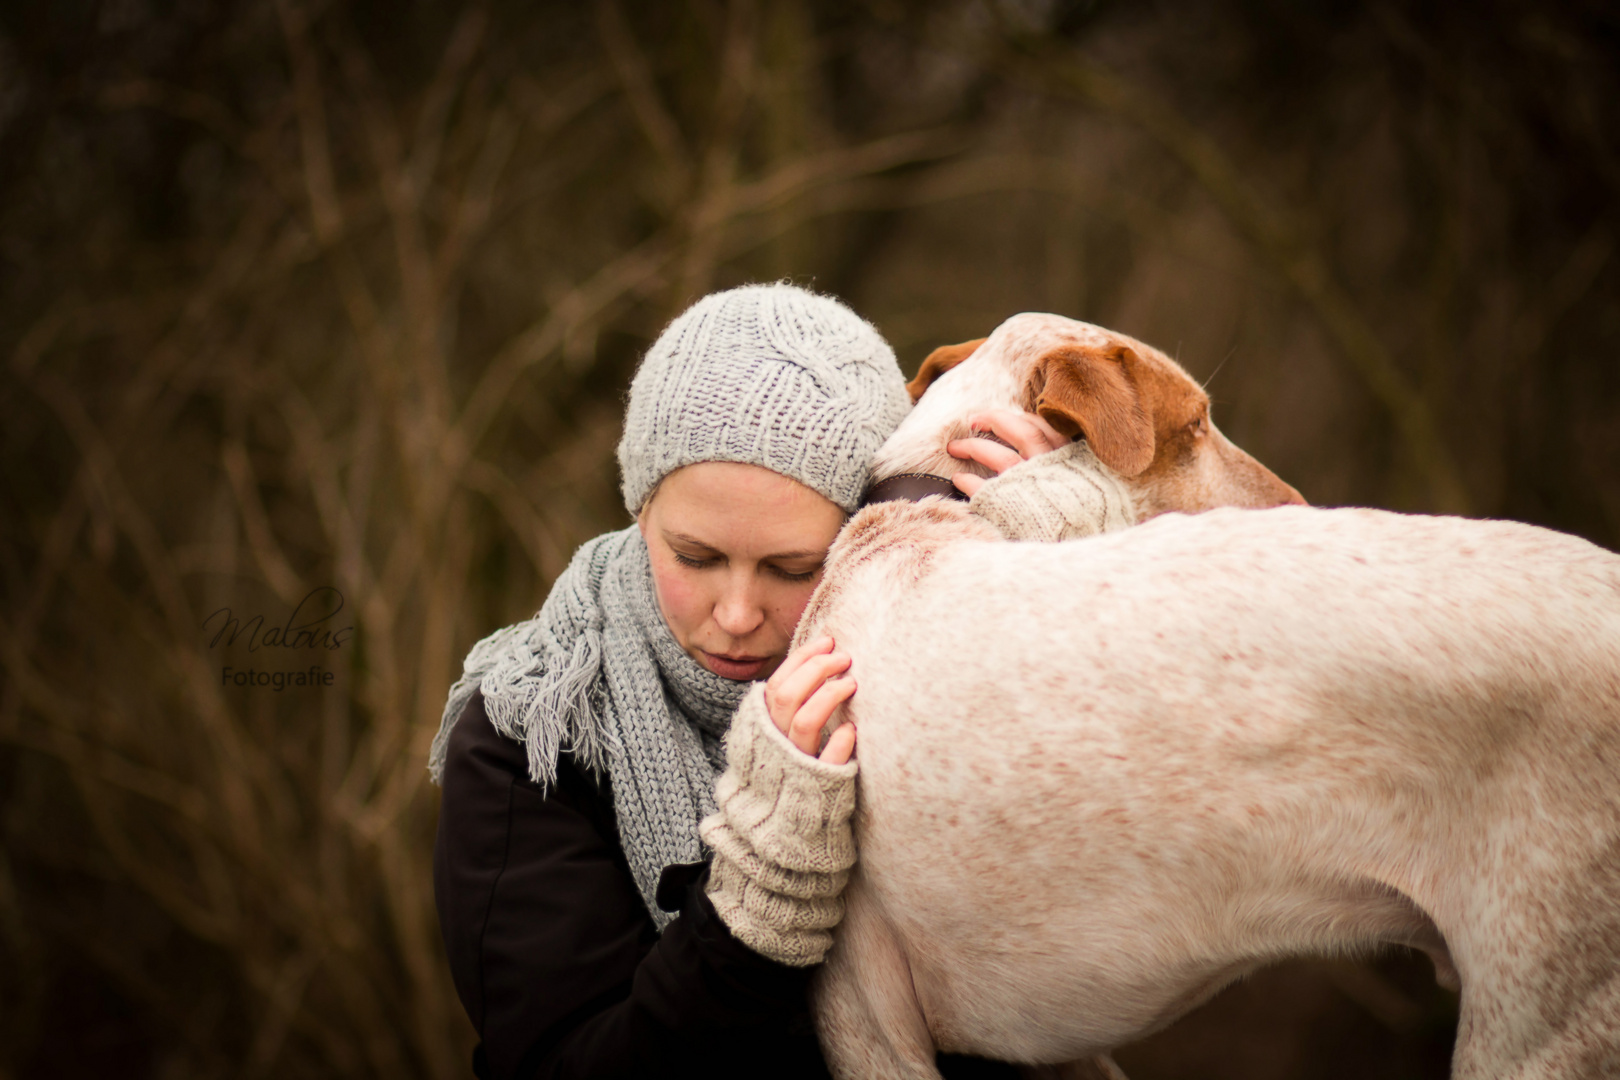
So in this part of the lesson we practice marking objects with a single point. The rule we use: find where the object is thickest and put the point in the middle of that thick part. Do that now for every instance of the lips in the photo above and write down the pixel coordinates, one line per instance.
(734, 667)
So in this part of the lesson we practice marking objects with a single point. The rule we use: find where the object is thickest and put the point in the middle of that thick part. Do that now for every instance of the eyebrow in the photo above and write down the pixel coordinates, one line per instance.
(789, 555)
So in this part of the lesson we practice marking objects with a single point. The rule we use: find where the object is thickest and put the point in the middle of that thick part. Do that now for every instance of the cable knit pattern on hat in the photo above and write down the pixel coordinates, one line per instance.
(1061, 495)
(782, 840)
(769, 375)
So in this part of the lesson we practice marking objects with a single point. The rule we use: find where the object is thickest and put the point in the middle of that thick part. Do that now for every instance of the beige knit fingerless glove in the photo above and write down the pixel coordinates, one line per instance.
(1060, 495)
(782, 840)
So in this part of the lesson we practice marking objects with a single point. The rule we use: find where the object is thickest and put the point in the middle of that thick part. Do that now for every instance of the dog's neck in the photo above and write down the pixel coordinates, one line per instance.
(996, 375)
(918, 444)
(911, 487)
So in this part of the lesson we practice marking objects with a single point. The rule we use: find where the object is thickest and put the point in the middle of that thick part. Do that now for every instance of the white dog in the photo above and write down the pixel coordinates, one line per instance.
(1101, 779)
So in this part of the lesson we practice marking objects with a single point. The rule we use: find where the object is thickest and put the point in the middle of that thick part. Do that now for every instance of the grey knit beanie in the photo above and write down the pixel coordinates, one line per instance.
(768, 375)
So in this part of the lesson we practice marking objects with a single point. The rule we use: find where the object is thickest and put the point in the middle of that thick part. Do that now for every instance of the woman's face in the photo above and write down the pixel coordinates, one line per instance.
(736, 551)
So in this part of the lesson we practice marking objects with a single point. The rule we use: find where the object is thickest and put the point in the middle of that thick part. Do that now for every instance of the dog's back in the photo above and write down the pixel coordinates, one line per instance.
(1100, 779)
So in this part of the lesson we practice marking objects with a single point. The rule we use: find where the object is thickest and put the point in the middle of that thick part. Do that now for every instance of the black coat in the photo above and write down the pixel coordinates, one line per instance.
(560, 966)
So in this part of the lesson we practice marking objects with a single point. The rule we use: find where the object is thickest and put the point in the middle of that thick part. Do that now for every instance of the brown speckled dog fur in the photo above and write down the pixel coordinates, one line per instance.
(1100, 779)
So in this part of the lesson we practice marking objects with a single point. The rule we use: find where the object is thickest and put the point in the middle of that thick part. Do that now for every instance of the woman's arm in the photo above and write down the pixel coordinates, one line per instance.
(557, 961)
(1045, 487)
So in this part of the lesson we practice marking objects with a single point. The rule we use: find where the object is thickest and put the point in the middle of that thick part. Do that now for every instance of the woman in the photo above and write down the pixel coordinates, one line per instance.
(579, 751)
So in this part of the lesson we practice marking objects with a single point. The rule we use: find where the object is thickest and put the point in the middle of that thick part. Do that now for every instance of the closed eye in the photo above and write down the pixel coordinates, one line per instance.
(716, 560)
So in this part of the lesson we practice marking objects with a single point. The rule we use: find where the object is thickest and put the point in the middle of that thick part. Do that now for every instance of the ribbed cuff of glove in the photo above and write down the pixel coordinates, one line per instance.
(782, 840)
(1060, 495)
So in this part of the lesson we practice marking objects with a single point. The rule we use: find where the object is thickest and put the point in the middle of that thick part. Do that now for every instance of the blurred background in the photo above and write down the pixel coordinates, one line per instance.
(315, 320)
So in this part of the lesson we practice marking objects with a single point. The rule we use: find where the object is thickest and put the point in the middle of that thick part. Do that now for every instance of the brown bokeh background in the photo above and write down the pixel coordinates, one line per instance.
(346, 294)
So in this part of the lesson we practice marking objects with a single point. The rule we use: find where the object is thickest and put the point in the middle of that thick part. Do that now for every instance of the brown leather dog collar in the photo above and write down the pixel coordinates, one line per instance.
(911, 487)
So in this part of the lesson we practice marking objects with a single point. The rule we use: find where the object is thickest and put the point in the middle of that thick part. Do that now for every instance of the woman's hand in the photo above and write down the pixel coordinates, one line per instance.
(781, 835)
(1024, 435)
(803, 694)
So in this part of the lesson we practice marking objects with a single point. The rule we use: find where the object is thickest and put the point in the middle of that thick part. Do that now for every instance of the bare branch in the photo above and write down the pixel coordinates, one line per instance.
(631, 272)
(319, 185)
(635, 76)
(433, 117)
(1300, 265)
(712, 203)
(256, 522)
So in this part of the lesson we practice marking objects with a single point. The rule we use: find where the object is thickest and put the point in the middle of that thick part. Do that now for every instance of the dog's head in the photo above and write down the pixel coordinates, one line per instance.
(1143, 416)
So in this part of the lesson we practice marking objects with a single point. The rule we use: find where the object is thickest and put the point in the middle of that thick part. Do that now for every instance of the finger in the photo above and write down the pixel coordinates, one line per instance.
(1054, 437)
(993, 456)
(1026, 432)
(789, 698)
(968, 483)
(1012, 427)
(840, 745)
(814, 647)
(805, 731)
(808, 722)
(784, 672)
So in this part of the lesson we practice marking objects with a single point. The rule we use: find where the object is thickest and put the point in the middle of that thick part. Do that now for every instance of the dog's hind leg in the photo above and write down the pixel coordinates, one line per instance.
(867, 1016)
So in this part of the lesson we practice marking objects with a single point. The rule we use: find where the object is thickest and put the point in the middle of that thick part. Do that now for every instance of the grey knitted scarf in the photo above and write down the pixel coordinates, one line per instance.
(598, 673)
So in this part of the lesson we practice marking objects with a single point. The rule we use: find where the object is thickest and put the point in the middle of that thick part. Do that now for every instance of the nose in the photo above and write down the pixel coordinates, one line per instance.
(738, 611)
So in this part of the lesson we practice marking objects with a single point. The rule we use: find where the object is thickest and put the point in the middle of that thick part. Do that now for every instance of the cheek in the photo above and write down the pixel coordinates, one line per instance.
(682, 598)
(786, 604)
(1186, 484)
(1183, 449)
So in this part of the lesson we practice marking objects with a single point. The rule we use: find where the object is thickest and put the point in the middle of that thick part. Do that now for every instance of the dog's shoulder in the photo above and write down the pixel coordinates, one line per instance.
(905, 529)
(897, 540)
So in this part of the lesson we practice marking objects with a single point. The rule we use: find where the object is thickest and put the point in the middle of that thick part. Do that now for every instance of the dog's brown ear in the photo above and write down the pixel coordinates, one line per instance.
(1093, 392)
(938, 363)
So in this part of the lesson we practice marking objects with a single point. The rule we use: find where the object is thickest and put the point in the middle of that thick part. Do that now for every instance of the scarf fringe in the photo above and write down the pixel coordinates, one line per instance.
(572, 696)
(598, 673)
(480, 661)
